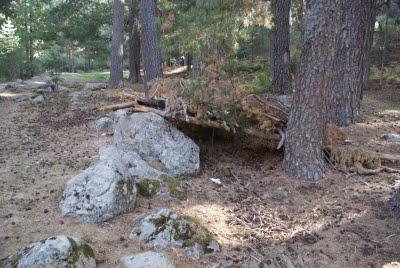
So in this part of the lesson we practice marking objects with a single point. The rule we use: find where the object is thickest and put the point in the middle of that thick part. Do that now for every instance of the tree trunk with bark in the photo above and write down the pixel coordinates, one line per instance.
(198, 57)
(117, 47)
(280, 43)
(304, 158)
(347, 89)
(369, 18)
(352, 61)
(150, 40)
(134, 43)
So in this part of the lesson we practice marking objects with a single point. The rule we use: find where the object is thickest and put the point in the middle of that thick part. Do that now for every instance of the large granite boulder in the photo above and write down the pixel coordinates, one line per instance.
(59, 251)
(148, 259)
(158, 142)
(101, 191)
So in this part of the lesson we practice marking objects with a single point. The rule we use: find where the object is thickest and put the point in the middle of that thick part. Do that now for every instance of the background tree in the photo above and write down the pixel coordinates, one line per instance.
(150, 40)
(348, 75)
(117, 50)
(280, 46)
(134, 42)
(303, 158)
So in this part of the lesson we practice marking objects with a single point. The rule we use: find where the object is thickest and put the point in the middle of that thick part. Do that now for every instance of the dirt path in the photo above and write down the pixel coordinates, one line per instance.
(257, 215)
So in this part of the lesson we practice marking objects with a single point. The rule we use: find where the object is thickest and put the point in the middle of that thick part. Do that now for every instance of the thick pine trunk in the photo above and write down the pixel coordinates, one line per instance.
(369, 19)
(134, 43)
(150, 40)
(280, 43)
(352, 62)
(346, 93)
(117, 49)
(304, 157)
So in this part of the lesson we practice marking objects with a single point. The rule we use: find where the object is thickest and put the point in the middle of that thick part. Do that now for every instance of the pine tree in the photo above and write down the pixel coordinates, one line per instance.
(304, 157)
(117, 50)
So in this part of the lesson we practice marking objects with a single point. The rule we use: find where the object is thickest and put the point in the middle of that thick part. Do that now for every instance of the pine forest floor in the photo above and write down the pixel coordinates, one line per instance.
(258, 215)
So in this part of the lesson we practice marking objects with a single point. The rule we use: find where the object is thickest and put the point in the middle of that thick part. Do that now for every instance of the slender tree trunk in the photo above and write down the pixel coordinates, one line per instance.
(281, 81)
(198, 57)
(134, 43)
(117, 49)
(150, 40)
(304, 157)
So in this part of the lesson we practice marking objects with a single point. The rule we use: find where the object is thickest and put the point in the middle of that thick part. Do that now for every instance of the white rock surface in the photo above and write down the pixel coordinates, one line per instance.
(148, 259)
(60, 251)
(154, 139)
(101, 191)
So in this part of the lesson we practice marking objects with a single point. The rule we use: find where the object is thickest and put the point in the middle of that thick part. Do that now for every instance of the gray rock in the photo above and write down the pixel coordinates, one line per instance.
(102, 124)
(163, 229)
(11, 86)
(119, 113)
(76, 97)
(148, 259)
(391, 137)
(19, 81)
(213, 246)
(20, 98)
(60, 251)
(194, 252)
(155, 140)
(101, 191)
(38, 100)
(43, 90)
(94, 86)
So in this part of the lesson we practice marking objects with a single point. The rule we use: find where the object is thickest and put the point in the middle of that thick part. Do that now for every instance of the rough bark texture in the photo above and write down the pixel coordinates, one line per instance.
(352, 61)
(304, 157)
(117, 49)
(281, 78)
(134, 43)
(346, 93)
(369, 18)
(150, 40)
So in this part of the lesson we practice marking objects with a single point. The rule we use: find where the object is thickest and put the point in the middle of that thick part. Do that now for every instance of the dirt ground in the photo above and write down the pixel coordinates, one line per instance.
(259, 216)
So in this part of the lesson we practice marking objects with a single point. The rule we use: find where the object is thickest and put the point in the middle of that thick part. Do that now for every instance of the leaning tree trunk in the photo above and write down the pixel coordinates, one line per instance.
(150, 40)
(117, 49)
(347, 89)
(280, 44)
(134, 43)
(304, 157)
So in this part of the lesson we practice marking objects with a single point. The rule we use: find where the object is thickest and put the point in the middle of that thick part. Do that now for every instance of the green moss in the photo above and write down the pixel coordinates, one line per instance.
(148, 188)
(200, 234)
(175, 188)
(77, 250)
(34, 95)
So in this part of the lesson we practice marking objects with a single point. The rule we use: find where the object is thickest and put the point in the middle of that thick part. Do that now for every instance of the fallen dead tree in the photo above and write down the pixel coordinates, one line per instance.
(263, 117)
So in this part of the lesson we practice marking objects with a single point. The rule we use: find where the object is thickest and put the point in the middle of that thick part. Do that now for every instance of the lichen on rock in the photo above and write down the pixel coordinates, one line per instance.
(165, 228)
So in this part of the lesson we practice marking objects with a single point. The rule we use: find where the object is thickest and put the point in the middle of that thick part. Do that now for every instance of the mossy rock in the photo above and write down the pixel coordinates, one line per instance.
(175, 187)
(148, 188)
